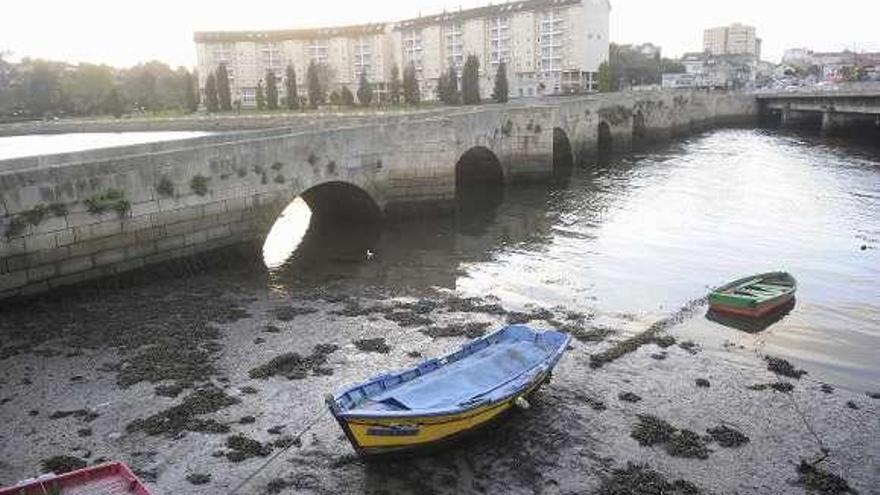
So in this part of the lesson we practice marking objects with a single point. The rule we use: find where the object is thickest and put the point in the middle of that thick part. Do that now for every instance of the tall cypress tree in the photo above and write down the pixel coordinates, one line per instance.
(223, 93)
(411, 94)
(395, 85)
(271, 90)
(452, 86)
(501, 92)
(365, 90)
(261, 98)
(190, 93)
(346, 98)
(316, 92)
(443, 87)
(470, 81)
(212, 101)
(290, 87)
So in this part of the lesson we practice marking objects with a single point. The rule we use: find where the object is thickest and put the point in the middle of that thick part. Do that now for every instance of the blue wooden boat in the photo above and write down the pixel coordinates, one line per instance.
(445, 398)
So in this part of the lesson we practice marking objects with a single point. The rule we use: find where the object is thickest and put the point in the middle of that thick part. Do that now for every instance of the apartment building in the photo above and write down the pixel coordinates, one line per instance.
(736, 39)
(549, 46)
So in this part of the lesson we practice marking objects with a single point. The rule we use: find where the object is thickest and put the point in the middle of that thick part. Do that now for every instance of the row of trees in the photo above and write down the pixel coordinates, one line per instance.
(447, 84)
(42, 88)
(629, 67)
(406, 90)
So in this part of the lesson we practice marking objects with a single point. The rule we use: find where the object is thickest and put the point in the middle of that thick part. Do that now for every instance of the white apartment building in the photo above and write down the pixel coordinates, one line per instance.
(549, 46)
(736, 39)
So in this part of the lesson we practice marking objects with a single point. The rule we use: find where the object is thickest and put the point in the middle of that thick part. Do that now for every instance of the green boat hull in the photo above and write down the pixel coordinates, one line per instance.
(754, 296)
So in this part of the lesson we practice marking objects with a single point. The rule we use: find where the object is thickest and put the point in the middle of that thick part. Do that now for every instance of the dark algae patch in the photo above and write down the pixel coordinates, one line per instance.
(784, 387)
(639, 479)
(198, 478)
(653, 335)
(83, 414)
(60, 464)
(727, 436)
(651, 430)
(292, 365)
(242, 447)
(686, 443)
(816, 480)
(373, 345)
(783, 368)
(628, 397)
(183, 416)
(470, 330)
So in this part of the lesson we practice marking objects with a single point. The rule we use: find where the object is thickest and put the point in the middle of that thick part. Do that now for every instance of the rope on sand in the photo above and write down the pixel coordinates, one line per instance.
(298, 436)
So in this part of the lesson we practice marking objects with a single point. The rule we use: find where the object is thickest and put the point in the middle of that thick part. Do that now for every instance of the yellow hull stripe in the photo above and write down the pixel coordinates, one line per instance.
(429, 428)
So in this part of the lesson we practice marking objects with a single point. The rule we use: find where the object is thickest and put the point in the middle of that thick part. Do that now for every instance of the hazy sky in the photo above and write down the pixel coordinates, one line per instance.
(124, 32)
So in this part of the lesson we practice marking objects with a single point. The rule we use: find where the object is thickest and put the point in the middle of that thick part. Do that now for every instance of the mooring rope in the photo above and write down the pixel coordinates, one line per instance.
(274, 456)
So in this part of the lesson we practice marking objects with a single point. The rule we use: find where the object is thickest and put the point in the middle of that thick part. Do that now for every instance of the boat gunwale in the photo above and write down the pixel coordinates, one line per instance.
(751, 302)
(545, 365)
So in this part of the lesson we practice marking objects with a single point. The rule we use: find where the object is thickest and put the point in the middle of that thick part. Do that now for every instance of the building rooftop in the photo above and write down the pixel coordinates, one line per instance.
(379, 28)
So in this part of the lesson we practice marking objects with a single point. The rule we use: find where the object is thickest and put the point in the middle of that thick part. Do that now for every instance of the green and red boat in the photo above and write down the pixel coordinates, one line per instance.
(754, 296)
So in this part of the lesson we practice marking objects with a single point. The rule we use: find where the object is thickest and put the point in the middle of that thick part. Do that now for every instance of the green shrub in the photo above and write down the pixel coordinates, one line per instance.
(15, 227)
(58, 209)
(507, 128)
(242, 172)
(280, 179)
(277, 166)
(199, 185)
(35, 216)
(109, 200)
(165, 186)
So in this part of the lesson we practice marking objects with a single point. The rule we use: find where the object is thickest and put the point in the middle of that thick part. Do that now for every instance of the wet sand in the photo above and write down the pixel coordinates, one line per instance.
(194, 381)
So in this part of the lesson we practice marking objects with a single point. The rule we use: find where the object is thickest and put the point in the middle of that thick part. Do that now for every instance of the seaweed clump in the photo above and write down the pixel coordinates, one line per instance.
(727, 436)
(639, 479)
(784, 387)
(183, 416)
(243, 447)
(61, 464)
(819, 481)
(782, 367)
(294, 366)
(678, 443)
(373, 345)
(470, 330)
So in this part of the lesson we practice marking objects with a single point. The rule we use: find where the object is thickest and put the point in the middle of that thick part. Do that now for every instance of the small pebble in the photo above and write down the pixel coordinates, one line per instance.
(702, 382)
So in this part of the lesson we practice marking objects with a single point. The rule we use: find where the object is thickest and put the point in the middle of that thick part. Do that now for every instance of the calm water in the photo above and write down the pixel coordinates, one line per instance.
(637, 239)
(48, 144)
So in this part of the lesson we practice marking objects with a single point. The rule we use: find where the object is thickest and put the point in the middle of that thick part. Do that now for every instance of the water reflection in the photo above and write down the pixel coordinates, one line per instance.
(35, 145)
(647, 232)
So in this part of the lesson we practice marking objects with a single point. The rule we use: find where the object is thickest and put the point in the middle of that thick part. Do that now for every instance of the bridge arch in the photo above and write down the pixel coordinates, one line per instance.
(478, 166)
(563, 158)
(639, 132)
(333, 215)
(604, 140)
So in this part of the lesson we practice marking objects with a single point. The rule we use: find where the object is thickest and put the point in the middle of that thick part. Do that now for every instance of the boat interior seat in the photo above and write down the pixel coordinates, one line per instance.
(458, 382)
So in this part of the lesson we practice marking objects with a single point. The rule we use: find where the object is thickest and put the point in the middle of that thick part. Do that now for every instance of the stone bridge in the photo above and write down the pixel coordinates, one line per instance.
(834, 110)
(74, 217)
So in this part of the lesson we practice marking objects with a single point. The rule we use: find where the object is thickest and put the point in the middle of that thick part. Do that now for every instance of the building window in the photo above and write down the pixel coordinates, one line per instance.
(317, 51)
(551, 41)
(363, 57)
(499, 40)
(454, 45)
(412, 50)
(248, 96)
(272, 57)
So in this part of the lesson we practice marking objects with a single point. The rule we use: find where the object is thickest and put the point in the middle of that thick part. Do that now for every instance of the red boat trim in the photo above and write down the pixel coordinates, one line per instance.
(753, 312)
